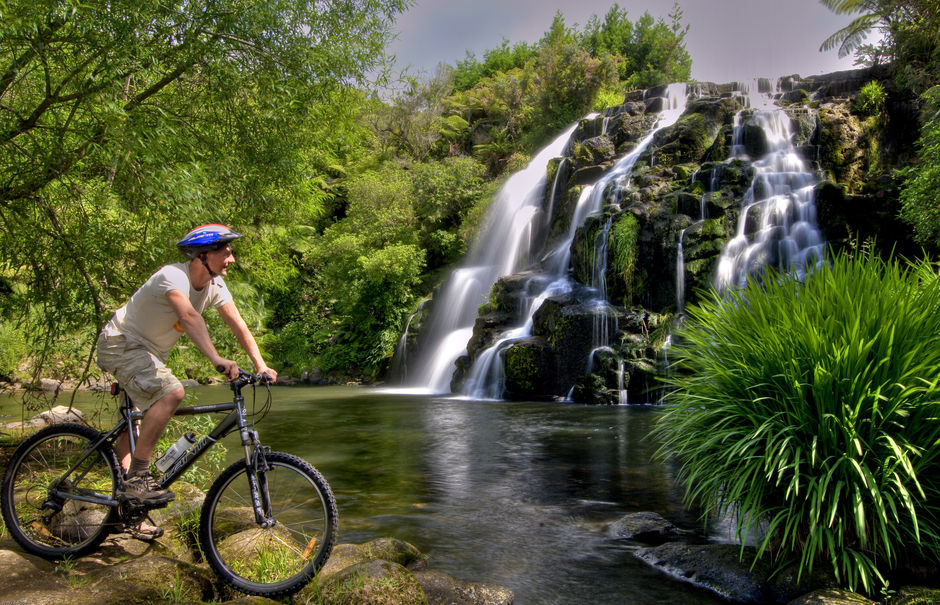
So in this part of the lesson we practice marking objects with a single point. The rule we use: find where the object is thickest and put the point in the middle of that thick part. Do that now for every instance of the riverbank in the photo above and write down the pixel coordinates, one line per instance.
(518, 494)
(169, 570)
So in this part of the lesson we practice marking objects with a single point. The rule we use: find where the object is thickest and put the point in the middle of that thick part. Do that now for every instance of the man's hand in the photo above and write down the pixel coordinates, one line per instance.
(227, 367)
(271, 374)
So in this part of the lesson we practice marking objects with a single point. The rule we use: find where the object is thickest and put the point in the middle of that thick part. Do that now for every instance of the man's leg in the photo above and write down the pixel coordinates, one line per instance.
(154, 423)
(140, 483)
(151, 428)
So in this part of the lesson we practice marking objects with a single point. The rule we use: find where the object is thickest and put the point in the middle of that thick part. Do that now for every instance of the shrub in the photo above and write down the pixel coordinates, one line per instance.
(871, 99)
(811, 411)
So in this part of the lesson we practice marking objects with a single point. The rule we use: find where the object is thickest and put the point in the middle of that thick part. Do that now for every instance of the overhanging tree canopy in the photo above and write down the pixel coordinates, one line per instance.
(123, 123)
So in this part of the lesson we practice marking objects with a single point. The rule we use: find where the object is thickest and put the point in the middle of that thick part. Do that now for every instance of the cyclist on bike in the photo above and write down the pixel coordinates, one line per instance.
(135, 343)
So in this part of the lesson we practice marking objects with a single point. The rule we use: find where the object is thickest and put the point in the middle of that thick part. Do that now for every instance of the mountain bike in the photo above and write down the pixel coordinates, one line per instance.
(267, 525)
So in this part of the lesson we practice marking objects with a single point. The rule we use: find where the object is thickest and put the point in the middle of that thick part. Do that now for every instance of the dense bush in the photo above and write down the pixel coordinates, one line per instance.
(812, 411)
(919, 205)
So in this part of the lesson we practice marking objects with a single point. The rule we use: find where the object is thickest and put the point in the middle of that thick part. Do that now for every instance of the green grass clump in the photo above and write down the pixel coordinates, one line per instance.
(812, 411)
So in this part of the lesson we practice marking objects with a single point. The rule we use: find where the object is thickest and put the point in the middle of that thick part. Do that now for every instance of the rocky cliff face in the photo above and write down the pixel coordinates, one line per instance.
(684, 193)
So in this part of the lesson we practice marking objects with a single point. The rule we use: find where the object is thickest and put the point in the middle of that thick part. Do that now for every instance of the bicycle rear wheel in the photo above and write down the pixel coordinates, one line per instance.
(269, 561)
(55, 527)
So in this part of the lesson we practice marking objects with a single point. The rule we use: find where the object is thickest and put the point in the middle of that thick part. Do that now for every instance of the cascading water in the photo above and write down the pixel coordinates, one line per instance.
(485, 378)
(777, 226)
(506, 244)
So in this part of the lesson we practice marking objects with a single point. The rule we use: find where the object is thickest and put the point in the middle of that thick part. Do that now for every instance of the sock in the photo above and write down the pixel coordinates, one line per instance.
(138, 467)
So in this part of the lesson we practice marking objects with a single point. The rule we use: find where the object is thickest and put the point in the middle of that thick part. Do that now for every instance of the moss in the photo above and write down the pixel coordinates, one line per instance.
(527, 366)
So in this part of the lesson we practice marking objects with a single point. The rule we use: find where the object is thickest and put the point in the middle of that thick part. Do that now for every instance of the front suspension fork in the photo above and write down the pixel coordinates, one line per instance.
(256, 468)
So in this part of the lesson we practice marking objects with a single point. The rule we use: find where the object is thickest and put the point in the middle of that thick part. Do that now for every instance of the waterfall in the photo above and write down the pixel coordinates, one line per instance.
(505, 245)
(486, 375)
(777, 226)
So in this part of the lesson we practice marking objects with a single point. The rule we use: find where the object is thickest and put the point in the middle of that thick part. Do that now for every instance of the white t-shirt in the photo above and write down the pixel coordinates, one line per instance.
(149, 318)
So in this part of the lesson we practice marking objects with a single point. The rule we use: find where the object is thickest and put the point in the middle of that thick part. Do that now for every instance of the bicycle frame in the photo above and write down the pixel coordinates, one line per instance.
(130, 418)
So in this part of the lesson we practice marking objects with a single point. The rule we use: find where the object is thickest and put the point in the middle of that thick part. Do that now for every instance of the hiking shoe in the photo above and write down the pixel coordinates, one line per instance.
(145, 489)
(145, 532)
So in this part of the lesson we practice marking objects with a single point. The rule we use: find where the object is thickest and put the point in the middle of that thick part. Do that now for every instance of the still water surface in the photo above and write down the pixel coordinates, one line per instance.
(510, 493)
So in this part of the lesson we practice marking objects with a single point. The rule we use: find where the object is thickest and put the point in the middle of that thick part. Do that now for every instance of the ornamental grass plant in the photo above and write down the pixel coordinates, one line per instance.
(812, 411)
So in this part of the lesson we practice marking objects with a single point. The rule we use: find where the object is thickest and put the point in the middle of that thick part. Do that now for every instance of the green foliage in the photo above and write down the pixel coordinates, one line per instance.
(124, 124)
(470, 71)
(13, 349)
(871, 99)
(204, 471)
(623, 241)
(361, 277)
(649, 52)
(810, 411)
(919, 205)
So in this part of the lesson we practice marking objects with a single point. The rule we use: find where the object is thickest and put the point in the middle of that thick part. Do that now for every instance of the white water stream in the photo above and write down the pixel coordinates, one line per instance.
(777, 226)
(507, 245)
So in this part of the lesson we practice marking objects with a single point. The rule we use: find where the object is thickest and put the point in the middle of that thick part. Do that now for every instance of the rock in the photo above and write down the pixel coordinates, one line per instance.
(527, 362)
(389, 549)
(916, 595)
(647, 527)
(726, 570)
(442, 589)
(56, 415)
(833, 596)
(593, 151)
(376, 582)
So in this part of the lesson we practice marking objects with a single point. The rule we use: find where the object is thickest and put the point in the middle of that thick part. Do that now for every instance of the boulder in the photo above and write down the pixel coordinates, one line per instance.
(56, 415)
(833, 596)
(442, 589)
(529, 363)
(726, 570)
(646, 527)
(376, 582)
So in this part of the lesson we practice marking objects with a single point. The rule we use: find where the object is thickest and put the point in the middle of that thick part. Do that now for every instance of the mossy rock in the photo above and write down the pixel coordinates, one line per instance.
(916, 595)
(377, 582)
(832, 596)
(388, 549)
(529, 364)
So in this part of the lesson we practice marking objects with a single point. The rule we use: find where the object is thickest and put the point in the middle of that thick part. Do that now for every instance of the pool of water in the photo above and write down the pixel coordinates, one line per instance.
(510, 493)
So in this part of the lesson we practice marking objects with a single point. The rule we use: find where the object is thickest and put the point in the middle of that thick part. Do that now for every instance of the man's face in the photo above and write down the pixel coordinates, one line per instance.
(219, 260)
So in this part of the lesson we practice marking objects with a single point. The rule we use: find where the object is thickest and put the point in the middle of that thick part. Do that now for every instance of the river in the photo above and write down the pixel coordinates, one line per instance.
(510, 493)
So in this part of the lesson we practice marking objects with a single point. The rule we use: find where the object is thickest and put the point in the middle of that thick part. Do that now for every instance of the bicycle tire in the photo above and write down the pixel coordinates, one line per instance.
(277, 561)
(77, 527)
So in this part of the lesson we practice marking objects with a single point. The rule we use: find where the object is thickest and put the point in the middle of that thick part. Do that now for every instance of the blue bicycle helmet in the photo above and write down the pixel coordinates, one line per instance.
(205, 238)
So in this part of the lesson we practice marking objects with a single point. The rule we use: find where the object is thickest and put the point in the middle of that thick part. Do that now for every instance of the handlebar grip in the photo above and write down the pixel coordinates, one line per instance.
(220, 369)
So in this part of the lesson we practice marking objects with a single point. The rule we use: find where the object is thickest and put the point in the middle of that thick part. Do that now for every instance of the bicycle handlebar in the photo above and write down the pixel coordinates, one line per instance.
(245, 378)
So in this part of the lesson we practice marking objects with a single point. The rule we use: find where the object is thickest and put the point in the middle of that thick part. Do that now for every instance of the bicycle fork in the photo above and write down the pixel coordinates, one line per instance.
(256, 466)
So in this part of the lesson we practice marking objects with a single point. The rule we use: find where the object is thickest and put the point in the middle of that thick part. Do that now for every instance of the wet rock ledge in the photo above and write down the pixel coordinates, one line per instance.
(718, 568)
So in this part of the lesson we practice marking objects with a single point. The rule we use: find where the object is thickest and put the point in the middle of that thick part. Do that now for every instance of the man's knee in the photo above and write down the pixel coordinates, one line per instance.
(176, 397)
(171, 400)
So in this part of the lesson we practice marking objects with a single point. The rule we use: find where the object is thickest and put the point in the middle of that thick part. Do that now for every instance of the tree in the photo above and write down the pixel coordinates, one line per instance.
(122, 124)
(910, 34)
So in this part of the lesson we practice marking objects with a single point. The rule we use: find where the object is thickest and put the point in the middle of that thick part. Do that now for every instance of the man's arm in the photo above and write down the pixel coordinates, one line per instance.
(195, 327)
(234, 321)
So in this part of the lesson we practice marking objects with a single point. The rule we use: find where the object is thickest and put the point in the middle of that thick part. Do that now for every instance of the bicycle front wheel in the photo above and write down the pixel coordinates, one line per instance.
(280, 559)
(55, 526)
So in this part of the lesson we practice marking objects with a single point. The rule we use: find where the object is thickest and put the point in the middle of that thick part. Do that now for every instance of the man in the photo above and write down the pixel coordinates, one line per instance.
(135, 343)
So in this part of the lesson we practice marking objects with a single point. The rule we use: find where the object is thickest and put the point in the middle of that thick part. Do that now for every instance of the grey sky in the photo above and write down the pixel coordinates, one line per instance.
(728, 39)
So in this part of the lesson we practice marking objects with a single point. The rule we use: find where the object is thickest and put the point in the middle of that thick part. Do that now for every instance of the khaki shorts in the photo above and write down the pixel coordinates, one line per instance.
(145, 378)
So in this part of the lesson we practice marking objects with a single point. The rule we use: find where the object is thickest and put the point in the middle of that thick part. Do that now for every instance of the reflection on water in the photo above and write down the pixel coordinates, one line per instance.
(502, 492)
